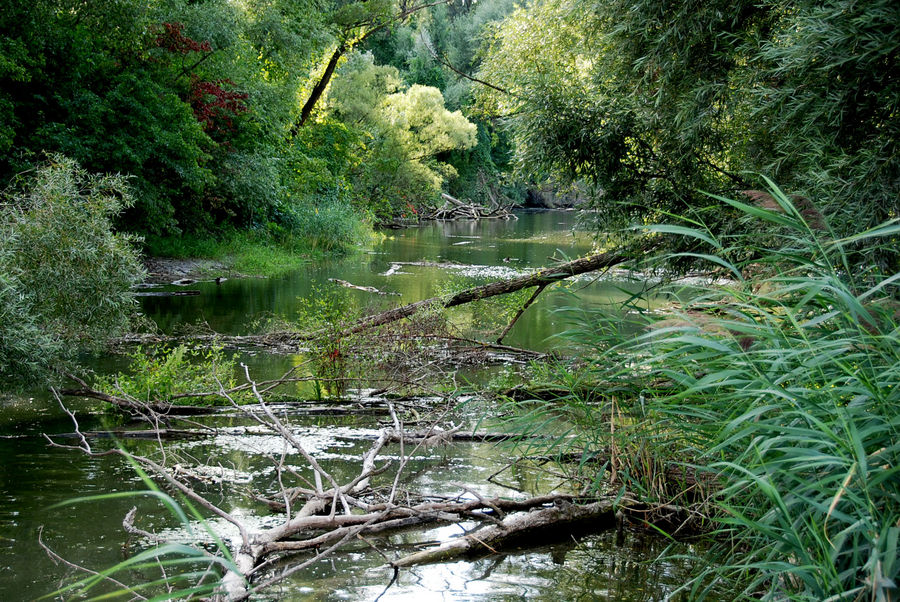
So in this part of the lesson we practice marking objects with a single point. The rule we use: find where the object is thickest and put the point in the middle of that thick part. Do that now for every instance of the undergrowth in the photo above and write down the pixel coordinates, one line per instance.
(274, 249)
(165, 374)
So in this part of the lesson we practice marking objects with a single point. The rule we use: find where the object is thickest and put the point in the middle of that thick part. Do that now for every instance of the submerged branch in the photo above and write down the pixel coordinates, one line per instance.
(549, 523)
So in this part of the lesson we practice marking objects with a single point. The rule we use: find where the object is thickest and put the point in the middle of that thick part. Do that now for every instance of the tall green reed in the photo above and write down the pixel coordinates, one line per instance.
(162, 571)
(771, 402)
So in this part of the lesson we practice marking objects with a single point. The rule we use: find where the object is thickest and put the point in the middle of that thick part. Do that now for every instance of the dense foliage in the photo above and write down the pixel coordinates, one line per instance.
(300, 121)
(201, 104)
(769, 404)
(652, 102)
(66, 277)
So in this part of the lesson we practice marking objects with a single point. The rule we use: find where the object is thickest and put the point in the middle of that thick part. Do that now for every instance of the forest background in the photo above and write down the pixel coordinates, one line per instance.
(276, 116)
(300, 124)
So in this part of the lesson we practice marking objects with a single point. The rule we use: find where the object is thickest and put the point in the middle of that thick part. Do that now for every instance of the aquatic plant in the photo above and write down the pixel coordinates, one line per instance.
(768, 402)
(178, 570)
(164, 374)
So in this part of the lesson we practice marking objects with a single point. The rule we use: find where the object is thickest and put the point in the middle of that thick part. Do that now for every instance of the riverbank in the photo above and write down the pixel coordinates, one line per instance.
(231, 255)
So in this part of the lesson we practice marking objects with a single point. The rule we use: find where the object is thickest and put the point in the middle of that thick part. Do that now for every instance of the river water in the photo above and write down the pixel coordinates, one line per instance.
(415, 264)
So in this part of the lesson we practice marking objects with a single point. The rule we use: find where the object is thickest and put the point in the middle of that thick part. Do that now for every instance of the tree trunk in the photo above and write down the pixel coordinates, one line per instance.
(319, 89)
(557, 522)
(541, 278)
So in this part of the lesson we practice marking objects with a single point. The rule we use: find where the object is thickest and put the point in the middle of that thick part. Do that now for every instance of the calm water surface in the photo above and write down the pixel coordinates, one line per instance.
(34, 476)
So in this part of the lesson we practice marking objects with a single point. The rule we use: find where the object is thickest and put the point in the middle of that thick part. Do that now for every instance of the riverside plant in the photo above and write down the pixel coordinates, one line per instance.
(162, 571)
(65, 275)
(166, 374)
(770, 403)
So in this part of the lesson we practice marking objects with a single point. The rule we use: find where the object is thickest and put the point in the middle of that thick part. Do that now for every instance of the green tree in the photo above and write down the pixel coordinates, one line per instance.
(439, 47)
(404, 128)
(65, 277)
(193, 100)
(652, 102)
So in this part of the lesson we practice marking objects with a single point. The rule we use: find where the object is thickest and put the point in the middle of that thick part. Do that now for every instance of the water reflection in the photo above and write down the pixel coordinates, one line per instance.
(34, 476)
(593, 568)
(417, 263)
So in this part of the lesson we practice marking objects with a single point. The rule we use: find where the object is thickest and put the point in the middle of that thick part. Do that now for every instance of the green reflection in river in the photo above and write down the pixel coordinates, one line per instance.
(34, 476)
(405, 263)
(411, 264)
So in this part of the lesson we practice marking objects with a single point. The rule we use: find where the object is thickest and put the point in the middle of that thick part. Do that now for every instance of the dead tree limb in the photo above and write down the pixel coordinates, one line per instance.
(541, 278)
(554, 521)
(442, 59)
(519, 313)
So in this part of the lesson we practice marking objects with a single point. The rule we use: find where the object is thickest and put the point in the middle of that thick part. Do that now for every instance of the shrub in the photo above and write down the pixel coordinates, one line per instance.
(159, 375)
(64, 272)
(26, 350)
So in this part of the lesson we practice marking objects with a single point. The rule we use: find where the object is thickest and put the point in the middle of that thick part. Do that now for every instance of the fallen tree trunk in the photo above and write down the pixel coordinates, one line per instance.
(541, 278)
(287, 341)
(557, 521)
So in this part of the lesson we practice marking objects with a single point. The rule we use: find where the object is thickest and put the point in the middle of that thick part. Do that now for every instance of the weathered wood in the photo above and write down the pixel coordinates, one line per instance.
(161, 408)
(541, 278)
(453, 209)
(549, 523)
(190, 293)
(365, 289)
(521, 311)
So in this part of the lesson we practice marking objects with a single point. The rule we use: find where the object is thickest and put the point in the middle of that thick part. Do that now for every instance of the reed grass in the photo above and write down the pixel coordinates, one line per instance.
(182, 571)
(771, 403)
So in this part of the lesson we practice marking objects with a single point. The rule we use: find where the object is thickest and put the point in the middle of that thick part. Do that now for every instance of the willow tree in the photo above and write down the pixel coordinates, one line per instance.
(653, 101)
(404, 129)
(352, 23)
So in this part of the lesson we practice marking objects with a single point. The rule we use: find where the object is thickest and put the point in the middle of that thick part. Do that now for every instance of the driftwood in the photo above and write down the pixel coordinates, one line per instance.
(321, 515)
(541, 279)
(191, 293)
(288, 341)
(454, 209)
(554, 523)
(366, 289)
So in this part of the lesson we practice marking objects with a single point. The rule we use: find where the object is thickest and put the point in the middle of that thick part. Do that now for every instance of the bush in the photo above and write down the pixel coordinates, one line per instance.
(64, 272)
(159, 375)
(26, 350)
(329, 225)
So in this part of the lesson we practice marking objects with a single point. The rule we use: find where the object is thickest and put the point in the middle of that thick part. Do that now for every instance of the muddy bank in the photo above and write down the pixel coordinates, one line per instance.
(168, 270)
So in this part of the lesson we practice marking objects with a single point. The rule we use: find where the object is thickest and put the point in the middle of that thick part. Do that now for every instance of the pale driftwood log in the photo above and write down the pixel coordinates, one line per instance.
(541, 278)
(556, 521)
(453, 209)
(366, 289)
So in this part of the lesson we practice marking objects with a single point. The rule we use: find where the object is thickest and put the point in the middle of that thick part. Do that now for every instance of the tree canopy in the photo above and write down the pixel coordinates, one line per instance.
(654, 102)
(252, 114)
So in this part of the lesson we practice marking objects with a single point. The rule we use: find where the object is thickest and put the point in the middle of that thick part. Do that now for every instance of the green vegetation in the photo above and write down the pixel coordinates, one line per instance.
(161, 374)
(65, 276)
(313, 234)
(199, 103)
(257, 132)
(163, 571)
(652, 102)
(769, 403)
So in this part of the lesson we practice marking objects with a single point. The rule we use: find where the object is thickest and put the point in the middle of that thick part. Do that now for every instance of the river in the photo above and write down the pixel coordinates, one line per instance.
(412, 264)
